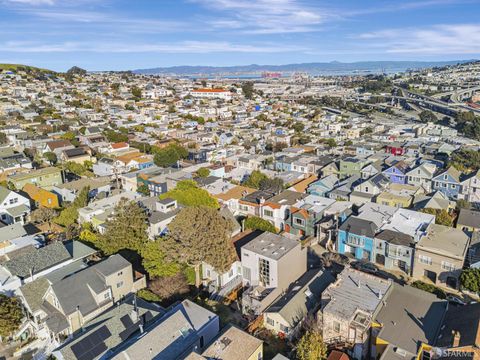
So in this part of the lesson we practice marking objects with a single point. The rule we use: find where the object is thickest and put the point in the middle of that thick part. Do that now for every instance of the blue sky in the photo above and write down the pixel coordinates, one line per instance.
(132, 34)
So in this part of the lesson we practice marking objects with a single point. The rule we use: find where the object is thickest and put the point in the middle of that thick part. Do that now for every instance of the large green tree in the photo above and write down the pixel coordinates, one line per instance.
(197, 234)
(69, 214)
(169, 155)
(470, 279)
(155, 262)
(311, 346)
(255, 179)
(127, 229)
(11, 315)
(188, 193)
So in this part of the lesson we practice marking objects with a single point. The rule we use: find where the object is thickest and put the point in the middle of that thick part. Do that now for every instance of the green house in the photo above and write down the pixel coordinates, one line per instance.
(46, 178)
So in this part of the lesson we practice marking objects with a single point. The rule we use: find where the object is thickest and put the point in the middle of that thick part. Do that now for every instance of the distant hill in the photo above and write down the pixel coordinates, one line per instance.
(327, 68)
(16, 67)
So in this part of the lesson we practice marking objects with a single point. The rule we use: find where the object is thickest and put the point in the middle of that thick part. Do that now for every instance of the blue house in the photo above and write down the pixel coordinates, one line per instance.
(397, 173)
(356, 238)
(283, 163)
(448, 182)
(323, 186)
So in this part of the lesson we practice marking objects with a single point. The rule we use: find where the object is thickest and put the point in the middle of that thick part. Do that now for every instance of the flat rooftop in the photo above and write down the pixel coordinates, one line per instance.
(271, 246)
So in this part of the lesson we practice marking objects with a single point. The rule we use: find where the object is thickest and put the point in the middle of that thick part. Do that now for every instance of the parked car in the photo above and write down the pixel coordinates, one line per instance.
(366, 267)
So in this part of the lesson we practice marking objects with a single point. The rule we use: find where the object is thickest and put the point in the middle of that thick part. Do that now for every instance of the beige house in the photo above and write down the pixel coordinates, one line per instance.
(440, 254)
(234, 344)
(73, 301)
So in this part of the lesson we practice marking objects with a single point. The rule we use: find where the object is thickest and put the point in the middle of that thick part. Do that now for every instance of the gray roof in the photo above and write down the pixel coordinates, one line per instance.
(355, 290)
(120, 321)
(395, 237)
(469, 218)
(409, 317)
(174, 334)
(302, 297)
(37, 260)
(76, 290)
(33, 293)
(271, 246)
(359, 226)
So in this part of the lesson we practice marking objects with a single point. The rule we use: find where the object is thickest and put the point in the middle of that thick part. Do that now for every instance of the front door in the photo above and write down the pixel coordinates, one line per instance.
(431, 275)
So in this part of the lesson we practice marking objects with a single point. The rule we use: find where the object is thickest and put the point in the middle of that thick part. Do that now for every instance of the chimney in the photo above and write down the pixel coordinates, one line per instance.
(456, 338)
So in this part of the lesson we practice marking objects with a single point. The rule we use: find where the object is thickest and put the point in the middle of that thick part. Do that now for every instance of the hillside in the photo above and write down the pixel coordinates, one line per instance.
(327, 68)
(17, 67)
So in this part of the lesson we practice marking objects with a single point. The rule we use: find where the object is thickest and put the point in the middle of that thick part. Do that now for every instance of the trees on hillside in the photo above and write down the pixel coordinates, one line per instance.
(188, 193)
(199, 234)
(427, 116)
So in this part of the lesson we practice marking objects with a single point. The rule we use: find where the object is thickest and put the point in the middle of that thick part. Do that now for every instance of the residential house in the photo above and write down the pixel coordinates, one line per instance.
(471, 188)
(448, 182)
(231, 198)
(41, 197)
(459, 333)
(110, 330)
(287, 313)
(408, 322)
(371, 170)
(251, 204)
(162, 214)
(440, 256)
(71, 302)
(399, 195)
(348, 308)
(57, 146)
(422, 175)
(33, 263)
(14, 208)
(468, 220)
(368, 189)
(305, 215)
(69, 191)
(233, 344)
(277, 208)
(185, 328)
(351, 166)
(323, 186)
(270, 264)
(46, 178)
(77, 155)
(397, 173)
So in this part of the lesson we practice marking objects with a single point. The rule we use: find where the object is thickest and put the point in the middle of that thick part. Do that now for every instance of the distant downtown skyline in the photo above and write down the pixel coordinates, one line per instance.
(123, 34)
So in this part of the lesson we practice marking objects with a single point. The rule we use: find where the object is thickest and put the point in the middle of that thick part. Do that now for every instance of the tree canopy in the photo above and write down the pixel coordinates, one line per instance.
(169, 155)
(126, 230)
(256, 223)
(311, 346)
(188, 193)
(203, 172)
(199, 234)
(255, 179)
(154, 260)
(470, 279)
(11, 315)
(69, 214)
(427, 116)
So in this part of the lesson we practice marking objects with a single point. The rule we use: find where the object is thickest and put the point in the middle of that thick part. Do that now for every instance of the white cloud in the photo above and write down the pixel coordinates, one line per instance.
(435, 40)
(188, 47)
(265, 16)
(31, 2)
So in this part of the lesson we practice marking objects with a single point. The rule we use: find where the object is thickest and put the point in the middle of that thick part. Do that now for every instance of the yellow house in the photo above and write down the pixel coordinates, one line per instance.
(399, 195)
(41, 197)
